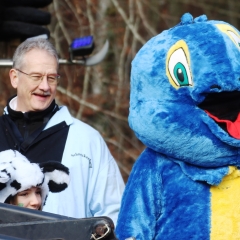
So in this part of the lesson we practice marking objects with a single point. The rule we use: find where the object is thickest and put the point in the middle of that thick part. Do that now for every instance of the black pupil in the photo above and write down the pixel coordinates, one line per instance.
(180, 75)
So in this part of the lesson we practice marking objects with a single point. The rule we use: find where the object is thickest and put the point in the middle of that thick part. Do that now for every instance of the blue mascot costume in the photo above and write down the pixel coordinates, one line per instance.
(184, 106)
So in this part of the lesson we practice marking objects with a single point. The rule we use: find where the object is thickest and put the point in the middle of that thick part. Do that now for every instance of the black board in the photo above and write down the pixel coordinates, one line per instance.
(18, 223)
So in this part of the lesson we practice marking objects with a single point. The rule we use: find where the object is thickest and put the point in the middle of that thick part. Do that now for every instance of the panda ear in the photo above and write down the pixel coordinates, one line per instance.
(5, 174)
(53, 165)
(56, 174)
(6, 170)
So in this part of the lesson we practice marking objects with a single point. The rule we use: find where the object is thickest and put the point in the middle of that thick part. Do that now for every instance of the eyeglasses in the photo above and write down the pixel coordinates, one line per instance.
(37, 77)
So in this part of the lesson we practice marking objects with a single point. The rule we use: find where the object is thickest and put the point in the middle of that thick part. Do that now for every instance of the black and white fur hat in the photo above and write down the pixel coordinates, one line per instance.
(18, 174)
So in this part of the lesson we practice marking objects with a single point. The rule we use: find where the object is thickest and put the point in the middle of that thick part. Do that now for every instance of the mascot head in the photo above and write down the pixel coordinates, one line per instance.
(185, 92)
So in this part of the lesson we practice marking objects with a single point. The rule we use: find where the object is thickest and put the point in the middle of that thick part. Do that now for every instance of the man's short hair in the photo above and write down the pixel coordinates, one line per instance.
(30, 44)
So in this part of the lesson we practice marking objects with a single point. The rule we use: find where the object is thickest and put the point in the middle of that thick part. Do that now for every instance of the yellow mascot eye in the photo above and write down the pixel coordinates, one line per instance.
(178, 70)
(231, 33)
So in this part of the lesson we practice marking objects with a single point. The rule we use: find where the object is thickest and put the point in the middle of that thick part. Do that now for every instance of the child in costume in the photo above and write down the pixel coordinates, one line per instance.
(27, 184)
(184, 106)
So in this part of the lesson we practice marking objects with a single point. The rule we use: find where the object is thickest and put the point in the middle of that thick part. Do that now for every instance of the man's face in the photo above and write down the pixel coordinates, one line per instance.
(34, 95)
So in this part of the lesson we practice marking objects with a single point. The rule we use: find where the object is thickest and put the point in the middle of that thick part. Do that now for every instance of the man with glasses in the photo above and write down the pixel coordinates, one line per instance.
(37, 127)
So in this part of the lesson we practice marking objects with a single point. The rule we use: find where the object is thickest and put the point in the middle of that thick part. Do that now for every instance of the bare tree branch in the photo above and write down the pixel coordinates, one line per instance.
(130, 56)
(84, 92)
(144, 20)
(164, 16)
(121, 70)
(128, 23)
(90, 105)
(60, 21)
(90, 17)
(209, 7)
(73, 9)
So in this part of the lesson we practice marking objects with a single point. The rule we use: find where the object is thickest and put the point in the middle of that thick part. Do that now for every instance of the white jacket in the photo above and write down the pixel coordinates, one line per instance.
(96, 185)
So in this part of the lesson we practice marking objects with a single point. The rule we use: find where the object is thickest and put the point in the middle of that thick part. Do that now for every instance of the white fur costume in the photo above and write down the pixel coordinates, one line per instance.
(18, 174)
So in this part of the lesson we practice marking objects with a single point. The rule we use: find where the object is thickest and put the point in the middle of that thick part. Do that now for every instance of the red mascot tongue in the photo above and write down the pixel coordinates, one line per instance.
(233, 128)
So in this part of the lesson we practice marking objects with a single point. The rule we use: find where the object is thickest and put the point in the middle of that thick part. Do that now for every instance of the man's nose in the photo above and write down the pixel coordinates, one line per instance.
(44, 85)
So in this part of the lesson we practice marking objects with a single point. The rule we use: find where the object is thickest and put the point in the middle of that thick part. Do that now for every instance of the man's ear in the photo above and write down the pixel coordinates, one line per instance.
(13, 77)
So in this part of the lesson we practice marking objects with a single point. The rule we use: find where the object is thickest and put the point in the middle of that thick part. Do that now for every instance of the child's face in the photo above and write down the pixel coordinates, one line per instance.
(30, 198)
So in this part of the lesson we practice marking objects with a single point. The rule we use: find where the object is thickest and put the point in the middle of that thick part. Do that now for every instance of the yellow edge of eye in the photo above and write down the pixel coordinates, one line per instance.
(225, 28)
(176, 46)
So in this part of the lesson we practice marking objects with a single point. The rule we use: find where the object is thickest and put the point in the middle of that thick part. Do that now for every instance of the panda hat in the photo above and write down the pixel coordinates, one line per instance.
(18, 174)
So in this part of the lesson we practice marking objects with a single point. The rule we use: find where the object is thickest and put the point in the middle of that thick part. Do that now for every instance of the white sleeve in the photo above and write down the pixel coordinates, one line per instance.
(108, 186)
